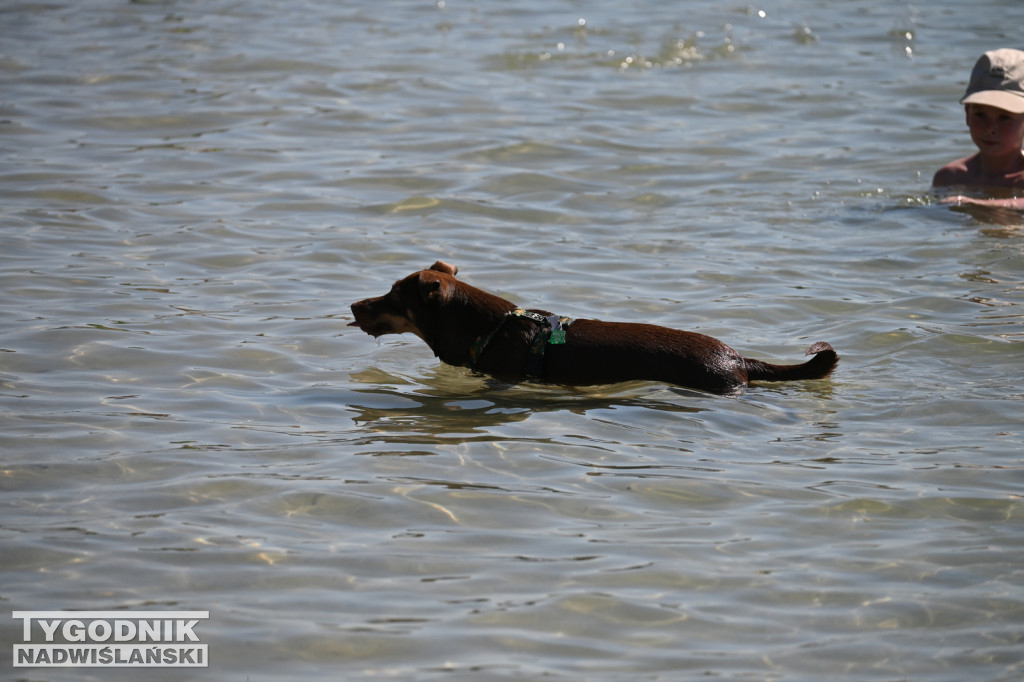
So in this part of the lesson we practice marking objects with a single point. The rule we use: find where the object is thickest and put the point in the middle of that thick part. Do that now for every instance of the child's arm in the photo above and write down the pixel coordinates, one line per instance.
(960, 200)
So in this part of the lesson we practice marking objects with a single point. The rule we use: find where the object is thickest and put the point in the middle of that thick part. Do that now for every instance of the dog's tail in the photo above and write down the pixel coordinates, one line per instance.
(821, 365)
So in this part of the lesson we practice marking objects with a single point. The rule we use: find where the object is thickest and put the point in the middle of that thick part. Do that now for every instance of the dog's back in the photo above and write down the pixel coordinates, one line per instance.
(597, 352)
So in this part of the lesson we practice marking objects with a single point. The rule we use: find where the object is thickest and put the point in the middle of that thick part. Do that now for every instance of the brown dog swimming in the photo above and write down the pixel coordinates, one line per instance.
(468, 327)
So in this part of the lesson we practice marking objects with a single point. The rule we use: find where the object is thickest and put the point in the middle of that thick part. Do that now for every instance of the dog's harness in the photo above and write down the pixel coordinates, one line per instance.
(551, 331)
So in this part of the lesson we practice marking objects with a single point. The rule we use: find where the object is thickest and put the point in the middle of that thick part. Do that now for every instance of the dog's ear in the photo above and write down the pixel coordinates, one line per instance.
(446, 268)
(434, 289)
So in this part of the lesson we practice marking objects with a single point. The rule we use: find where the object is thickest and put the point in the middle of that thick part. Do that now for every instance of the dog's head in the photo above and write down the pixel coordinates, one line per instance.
(404, 308)
(449, 315)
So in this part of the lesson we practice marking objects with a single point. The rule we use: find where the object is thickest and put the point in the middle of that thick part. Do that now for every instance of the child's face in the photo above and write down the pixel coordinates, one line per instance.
(995, 131)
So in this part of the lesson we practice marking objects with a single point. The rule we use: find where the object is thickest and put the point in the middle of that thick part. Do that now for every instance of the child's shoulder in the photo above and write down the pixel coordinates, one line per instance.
(959, 172)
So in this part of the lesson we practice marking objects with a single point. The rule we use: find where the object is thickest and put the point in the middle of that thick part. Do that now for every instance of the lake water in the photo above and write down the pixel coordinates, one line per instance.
(192, 194)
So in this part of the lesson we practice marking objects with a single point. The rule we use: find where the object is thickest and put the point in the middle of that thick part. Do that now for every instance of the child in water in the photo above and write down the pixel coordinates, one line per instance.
(994, 104)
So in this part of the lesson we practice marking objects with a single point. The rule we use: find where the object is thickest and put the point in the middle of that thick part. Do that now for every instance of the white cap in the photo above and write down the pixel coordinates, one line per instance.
(998, 81)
